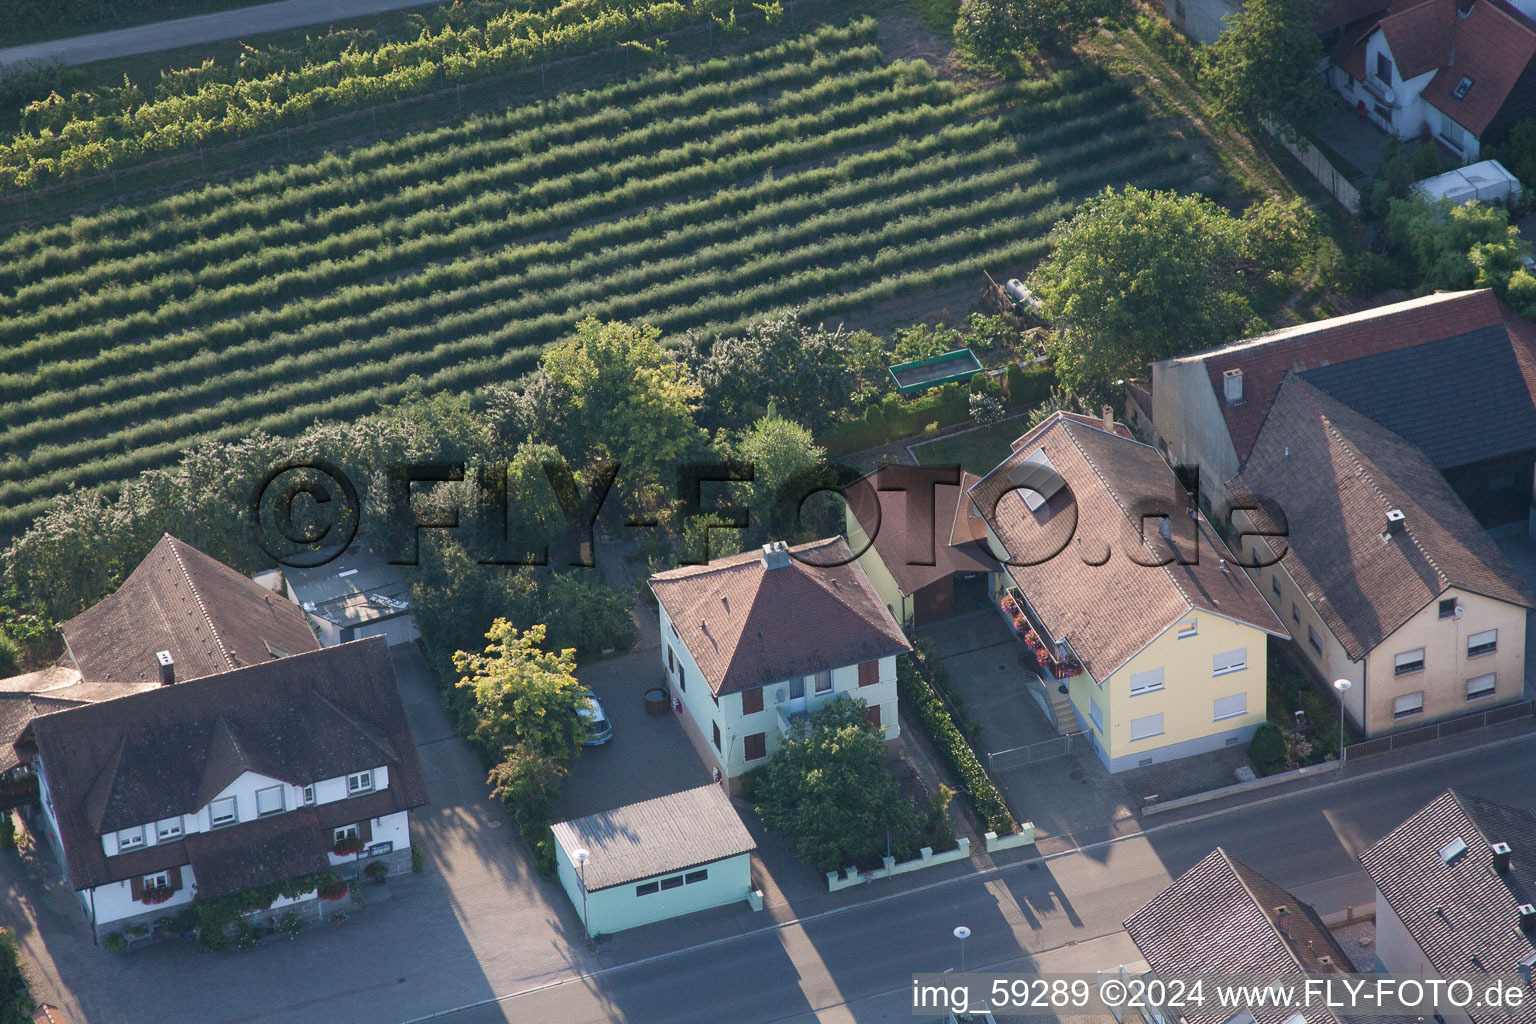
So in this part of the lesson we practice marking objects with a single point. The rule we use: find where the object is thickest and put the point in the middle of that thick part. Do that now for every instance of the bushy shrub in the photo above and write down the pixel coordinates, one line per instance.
(1267, 748)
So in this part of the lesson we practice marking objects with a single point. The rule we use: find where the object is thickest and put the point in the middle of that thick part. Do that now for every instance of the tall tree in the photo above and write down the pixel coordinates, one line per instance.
(1136, 276)
(996, 32)
(827, 787)
(801, 368)
(1472, 245)
(1264, 67)
(779, 451)
(525, 697)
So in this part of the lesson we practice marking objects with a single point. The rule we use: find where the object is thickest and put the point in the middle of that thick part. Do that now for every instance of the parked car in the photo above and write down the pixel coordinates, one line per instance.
(599, 729)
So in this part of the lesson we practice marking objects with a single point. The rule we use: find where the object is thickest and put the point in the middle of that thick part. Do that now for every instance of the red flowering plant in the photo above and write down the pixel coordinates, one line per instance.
(346, 846)
(156, 894)
(334, 889)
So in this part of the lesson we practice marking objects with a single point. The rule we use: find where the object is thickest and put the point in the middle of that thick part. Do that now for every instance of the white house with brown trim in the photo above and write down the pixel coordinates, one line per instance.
(753, 642)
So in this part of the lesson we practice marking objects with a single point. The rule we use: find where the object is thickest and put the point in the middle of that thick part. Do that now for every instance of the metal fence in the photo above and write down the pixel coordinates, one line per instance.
(1034, 753)
(1439, 730)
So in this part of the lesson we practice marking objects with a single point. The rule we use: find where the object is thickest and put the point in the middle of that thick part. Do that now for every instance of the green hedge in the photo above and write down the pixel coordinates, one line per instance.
(919, 695)
(15, 1001)
(895, 417)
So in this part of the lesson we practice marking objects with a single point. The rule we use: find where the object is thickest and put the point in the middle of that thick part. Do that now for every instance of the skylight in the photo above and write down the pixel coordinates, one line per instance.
(1037, 479)
(1460, 92)
(1453, 849)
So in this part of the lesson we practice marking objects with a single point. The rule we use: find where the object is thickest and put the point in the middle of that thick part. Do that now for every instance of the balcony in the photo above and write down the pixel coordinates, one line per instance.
(788, 721)
(1061, 663)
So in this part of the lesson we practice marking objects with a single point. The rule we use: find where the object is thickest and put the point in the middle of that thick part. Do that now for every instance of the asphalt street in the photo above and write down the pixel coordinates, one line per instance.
(856, 963)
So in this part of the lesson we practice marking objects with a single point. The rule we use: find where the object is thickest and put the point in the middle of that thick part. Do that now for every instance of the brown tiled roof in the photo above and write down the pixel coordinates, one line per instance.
(923, 517)
(1462, 909)
(1266, 358)
(210, 617)
(1084, 587)
(656, 837)
(1220, 917)
(260, 852)
(151, 755)
(1336, 474)
(16, 710)
(747, 626)
(1493, 47)
(1419, 35)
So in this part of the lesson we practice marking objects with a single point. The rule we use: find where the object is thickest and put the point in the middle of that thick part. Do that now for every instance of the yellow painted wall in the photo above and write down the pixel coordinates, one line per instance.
(879, 576)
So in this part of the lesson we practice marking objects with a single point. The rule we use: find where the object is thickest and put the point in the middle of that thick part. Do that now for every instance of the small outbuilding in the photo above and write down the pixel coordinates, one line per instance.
(654, 860)
(352, 594)
(1487, 182)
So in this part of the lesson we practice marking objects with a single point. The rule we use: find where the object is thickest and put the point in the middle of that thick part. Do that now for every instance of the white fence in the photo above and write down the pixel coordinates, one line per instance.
(1321, 168)
(849, 877)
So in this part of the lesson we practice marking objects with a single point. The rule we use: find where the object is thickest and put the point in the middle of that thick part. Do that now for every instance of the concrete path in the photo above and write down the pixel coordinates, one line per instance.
(204, 28)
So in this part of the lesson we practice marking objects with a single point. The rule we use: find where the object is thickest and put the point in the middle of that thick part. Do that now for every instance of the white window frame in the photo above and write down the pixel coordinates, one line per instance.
(344, 832)
(1150, 681)
(282, 804)
(309, 795)
(158, 880)
(1227, 662)
(213, 813)
(130, 838)
(1216, 712)
(1095, 714)
(1491, 678)
(167, 828)
(1489, 642)
(1189, 629)
(1148, 719)
(360, 782)
(1406, 664)
(1404, 706)
(818, 678)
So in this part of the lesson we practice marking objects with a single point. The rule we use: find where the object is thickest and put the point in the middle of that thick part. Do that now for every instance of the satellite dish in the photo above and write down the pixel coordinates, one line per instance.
(1390, 95)
(1460, 611)
(779, 695)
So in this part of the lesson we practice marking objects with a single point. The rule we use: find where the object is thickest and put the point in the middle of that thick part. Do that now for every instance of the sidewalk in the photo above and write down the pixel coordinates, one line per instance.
(203, 28)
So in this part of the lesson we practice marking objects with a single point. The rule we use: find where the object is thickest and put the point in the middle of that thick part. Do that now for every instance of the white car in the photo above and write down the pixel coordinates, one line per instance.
(599, 730)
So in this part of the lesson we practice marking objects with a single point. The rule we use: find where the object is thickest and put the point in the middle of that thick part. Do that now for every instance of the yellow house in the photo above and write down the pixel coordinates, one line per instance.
(1382, 572)
(1130, 596)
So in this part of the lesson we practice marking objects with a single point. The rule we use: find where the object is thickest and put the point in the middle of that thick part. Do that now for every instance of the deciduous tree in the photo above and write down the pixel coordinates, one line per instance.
(1264, 67)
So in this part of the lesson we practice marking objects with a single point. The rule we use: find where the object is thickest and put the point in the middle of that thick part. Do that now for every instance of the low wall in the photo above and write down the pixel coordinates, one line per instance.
(1024, 837)
(849, 877)
(1242, 787)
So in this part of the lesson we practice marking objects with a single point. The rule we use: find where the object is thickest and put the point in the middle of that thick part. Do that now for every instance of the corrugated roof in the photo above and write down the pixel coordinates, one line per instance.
(655, 837)
(747, 626)
(1335, 474)
(1083, 583)
(210, 617)
(1462, 909)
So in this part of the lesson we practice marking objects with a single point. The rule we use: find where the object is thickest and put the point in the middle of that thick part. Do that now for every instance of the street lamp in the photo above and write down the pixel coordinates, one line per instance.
(962, 933)
(582, 856)
(1342, 685)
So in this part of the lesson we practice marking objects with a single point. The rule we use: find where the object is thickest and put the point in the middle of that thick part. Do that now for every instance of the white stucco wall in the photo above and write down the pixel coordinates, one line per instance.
(618, 908)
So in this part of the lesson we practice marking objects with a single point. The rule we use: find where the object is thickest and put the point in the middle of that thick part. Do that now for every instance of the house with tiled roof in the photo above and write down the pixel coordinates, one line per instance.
(921, 541)
(1223, 918)
(1130, 597)
(1385, 577)
(1460, 71)
(213, 786)
(1456, 897)
(203, 616)
(753, 642)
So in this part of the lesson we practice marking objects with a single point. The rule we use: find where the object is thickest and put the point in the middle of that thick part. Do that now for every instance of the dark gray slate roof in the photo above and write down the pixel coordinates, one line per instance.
(166, 751)
(655, 837)
(1462, 909)
(1460, 400)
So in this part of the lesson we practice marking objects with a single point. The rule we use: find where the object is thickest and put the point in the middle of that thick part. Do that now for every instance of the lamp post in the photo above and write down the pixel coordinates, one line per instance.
(962, 933)
(582, 856)
(1342, 685)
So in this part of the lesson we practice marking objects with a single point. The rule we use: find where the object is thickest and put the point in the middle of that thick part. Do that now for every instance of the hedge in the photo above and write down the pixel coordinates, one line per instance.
(919, 695)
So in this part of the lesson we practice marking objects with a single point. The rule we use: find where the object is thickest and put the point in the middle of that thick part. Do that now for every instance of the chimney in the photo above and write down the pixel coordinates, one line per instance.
(1108, 414)
(1395, 520)
(1222, 565)
(1325, 964)
(1528, 967)
(1500, 853)
(775, 555)
(167, 667)
(1282, 921)
(1527, 913)
(1232, 386)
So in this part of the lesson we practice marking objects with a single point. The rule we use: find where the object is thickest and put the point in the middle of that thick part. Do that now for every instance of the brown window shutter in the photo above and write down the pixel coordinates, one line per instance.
(136, 887)
(365, 830)
(872, 715)
(174, 874)
(756, 746)
(751, 701)
(869, 673)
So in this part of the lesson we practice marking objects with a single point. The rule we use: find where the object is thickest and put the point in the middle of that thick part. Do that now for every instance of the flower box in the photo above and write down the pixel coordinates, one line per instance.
(348, 846)
(156, 895)
(332, 890)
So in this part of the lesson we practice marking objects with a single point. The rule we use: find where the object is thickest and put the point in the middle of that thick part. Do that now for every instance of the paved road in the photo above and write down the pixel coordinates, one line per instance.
(855, 964)
(204, 28)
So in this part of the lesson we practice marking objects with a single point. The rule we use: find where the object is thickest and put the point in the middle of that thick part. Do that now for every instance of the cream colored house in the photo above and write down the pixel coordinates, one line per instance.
(1130, 595)
(754, 642)
(1381, 572)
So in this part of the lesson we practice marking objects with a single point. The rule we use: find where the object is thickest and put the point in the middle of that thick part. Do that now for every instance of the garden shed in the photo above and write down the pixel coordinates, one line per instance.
(655, 860)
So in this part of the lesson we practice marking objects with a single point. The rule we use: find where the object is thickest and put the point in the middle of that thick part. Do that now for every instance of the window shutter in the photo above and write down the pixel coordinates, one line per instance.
(136, 887)
(751, 701)
(872, 714)
(174, 874)
(365, 830)
(869, 673)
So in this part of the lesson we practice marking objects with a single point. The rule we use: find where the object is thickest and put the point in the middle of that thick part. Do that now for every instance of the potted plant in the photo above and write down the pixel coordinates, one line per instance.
(376, 871)
(334, 889)
(348, 846)
(156, 894)
(137, 930)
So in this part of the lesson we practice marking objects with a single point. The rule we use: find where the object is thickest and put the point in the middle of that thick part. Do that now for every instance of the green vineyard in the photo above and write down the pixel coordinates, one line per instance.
(812, 173)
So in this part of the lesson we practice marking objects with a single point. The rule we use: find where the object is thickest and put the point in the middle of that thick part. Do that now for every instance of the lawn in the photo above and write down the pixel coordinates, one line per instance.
(978, 451)
(815, 173)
